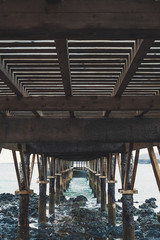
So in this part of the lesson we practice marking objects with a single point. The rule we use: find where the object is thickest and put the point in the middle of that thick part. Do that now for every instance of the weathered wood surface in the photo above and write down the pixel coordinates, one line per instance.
(77, 103)
(47, 19)
(79, 130)
(155, 165)
(139, 52)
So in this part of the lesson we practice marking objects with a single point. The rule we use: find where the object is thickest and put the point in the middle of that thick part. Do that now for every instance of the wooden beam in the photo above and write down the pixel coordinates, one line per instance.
(11, 83)
(63, 58)
(24, 170)
(119, 165)
(155, 165)
(79, 19)
(137, 56)
(55, 148)
(31, 170)
(127, 170)
(17, 169)
(31, 130)
(39, 167)
(134, 169)
(77, 103)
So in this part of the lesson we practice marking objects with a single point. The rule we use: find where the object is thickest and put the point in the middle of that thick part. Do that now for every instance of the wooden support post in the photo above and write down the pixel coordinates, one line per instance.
(127, 171)
(155, 165)
(42, 190)
(31, 170)
(119, 166)
(58, 179)
(23, 217)
(127, 200)
(103, 193)
(134, 169)
(111, 204)
(52, 187)
(16, 168)
(98, 188)
(111, 190)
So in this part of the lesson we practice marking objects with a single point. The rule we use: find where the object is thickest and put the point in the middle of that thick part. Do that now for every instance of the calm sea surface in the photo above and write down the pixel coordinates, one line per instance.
(145, 183)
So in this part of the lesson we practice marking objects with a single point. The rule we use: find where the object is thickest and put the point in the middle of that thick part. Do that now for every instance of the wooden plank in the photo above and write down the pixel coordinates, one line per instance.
(126, 177)
(137, 55)
(134, 191)
(79, 19)
(80, 103)
(27, 130)
(135, 169)
(17, 169)
(155, 165)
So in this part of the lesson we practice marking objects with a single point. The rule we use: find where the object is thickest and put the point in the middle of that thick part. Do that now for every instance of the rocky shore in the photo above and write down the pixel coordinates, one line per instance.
(74, 220)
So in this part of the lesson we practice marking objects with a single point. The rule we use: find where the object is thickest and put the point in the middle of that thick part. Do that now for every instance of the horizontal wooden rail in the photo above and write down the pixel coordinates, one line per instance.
(78, 103)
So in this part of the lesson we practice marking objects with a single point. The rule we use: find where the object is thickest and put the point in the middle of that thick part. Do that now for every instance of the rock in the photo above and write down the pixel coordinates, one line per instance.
(80, 198)
(139, 233)
(152, 233)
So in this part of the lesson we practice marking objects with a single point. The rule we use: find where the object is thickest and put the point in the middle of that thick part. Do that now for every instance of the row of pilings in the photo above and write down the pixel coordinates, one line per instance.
(58, 173)
(102, 176)
(54, 172)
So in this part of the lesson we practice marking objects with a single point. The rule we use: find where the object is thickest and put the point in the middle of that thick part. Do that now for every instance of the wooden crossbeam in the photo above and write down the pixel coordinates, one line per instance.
(76, 19)
(155, 165)
(77, 103)
(137, 55)
(63, 58)
(26, 130)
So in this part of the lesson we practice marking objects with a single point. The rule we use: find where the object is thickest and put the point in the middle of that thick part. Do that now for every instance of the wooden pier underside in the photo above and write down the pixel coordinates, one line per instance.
(80, 81)
(82, 76)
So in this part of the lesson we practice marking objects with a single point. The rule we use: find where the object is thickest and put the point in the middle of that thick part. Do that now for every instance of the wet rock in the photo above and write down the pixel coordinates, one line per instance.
(81, 199)
(152, 233)
(116, 231)
(139, 233)
(62, 198)
(149, 203)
